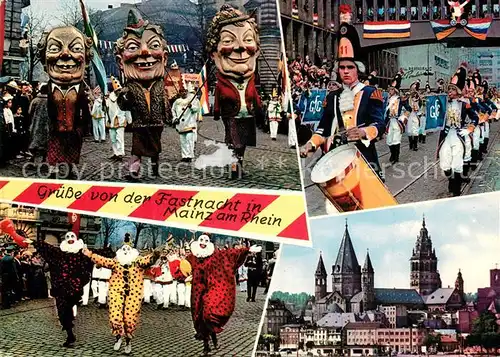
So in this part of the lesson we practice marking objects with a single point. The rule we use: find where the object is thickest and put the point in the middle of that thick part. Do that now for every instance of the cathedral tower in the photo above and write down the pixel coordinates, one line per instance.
(424, 276)
(368, 284)
(320, 280)
(459, 284)
(346, 273)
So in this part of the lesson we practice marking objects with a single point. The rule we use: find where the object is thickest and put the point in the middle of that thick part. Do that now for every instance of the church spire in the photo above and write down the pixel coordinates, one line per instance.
(423, 220)
(321, 270)
(347, 262)
(368, 267)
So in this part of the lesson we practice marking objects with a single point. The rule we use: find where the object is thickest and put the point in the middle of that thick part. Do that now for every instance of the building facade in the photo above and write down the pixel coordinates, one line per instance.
(12, 53)
(290, 335)
(276, 316)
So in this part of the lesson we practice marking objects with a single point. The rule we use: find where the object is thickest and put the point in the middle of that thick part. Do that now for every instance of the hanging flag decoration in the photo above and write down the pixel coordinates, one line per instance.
(108, 45)
(2, 30)
(332, 26)
(386, 29)
(97, 64)
(477, 28)
(295, 10)
(74, 221)
(205, 109)
(315, 20)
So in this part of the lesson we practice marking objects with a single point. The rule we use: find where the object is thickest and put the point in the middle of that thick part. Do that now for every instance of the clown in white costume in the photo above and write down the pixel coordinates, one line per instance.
(454, 139)
(395, 118)
(164, 286)
(186, 112)
(413, 125)
(116, 121)
(98, 120)
(274, 115)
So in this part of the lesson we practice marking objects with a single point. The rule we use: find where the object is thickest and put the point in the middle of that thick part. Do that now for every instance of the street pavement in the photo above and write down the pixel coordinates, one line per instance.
(417, 177)
(32, 329)
(270, 165)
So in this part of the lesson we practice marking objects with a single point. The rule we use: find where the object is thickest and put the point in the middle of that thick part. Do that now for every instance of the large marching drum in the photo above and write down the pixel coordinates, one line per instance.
(349, 182)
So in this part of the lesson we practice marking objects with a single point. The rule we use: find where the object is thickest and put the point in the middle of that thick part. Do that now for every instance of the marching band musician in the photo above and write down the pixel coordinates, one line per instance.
(422, 135)
(413, 124)
(460, 123)
(395, 118)
(492, 114)
(357, 109)
(484, 111)
(476, 135)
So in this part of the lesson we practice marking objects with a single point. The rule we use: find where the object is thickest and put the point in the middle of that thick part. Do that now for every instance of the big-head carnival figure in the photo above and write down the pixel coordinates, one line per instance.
(142, 56)
(234, 45)
(65, 52)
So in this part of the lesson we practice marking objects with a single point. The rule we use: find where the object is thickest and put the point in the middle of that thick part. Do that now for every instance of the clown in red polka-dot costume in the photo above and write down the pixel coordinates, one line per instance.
(213, 294)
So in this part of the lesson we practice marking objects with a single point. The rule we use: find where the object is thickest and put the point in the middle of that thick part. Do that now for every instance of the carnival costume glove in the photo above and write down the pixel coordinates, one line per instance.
(255, 249)
(464, 132)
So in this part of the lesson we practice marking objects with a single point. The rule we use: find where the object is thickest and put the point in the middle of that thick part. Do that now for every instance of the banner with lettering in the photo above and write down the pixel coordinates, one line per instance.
(312, 106)
(436, 111)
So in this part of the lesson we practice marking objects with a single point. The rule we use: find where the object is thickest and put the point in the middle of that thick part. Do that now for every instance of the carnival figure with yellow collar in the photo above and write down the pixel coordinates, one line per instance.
(454, 146)
(126, 288)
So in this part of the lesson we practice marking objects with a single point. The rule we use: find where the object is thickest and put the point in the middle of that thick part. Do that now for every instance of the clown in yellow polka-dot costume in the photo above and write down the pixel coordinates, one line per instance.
(126, 287)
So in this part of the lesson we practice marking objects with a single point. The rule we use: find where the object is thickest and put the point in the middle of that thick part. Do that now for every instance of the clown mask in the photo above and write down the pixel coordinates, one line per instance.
(202, 248)
(71, 243)
(237, 51)
(144, 57)
(126, 255)
(66, 56)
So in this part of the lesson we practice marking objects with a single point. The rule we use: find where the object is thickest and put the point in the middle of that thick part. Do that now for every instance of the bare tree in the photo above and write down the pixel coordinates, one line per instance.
(139, 227)
(71, 15)
(108, 228)
(36, 28)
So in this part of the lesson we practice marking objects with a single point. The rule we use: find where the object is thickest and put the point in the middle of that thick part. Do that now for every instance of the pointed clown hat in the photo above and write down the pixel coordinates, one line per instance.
(127, 239)
(115, 83)
(170, 239)
(458, 79)
(135, 23)
(349, 47)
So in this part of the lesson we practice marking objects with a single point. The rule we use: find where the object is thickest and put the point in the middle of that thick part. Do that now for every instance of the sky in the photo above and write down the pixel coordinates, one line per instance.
(54, 9)
(464, 232)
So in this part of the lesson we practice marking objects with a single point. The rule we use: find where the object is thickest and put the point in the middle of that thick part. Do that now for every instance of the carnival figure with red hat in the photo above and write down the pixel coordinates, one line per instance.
(234, 45)
(396, 117)
(356, 110)
(454, 140)
(142, 56)
(213, 295)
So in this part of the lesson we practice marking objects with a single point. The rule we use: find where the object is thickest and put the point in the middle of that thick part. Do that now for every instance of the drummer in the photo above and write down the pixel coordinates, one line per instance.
(357, 110)
(455, 137)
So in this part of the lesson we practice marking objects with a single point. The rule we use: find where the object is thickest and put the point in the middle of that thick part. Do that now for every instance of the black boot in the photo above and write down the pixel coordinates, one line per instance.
(415, 143)
(392, 159)
(480, 152)
(485, 145)
(473, 161)
(70, 340)
(420, 138)
(457, 184)
(465, 175)
(214, 340)
(448, 173)
(423, 138)
(206, 347)
(410, 138)
(397, 150)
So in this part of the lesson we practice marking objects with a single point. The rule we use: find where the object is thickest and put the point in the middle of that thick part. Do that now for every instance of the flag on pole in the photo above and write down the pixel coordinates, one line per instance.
(204, 92)
(2, 29)
(283, 79)
(97, 64)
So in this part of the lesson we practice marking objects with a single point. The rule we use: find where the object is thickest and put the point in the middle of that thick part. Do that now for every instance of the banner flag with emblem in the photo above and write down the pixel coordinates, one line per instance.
(97, 64)
(204, 102)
